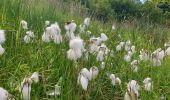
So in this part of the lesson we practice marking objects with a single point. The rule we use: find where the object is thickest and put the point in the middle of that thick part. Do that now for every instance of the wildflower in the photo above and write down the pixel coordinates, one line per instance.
(87, 22)
(2, 50)
(143, 55)
(2, 36)
(45, 37)
(128, 45)
(26, 88)
(113, 27)
(56, 33)
(24, 24)
(82, 28)
(133, 49)
(70, 28)
(35, 77)
(167, 52)
(76, 47)
(102, 65)
(132, 91)
(103, 51)
(47, 23)
(3, 94)
(148, 84)
(94, 72)
(103, 37)
(29, 35)
(127, 57)
(155, 59)
(134, 65)
(115, 80)
(118, 47)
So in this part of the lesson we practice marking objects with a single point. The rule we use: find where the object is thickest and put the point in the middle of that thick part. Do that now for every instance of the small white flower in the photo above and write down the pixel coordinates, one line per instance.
(128, 45)
(103, 65)
(155, 58)
(100, 56)
(134, 65)
(30, 34)
(26, 89)
(3, 94)
(133, 49)
(133, 91)
(45, 37)
(127, 58)
(161, 55)
(113, 27)
(2, 50)
(167, 52)
(87, 22)
(143, 55)
(24, 24)
(94, 72)
(103, 37)
(27, 39)
(2, 36)
(83, 81)
(86, 73)
(47, 23)
(35, 77)
(118, 47)
(148, 84)
(122, 44)
(57, 90)
(82, 28)
(114, 80)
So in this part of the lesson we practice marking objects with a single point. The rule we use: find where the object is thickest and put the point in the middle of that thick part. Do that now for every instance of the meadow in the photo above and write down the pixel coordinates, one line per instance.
(50, 60)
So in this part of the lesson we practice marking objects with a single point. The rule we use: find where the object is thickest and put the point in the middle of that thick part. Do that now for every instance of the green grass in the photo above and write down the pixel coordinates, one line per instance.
(50, 60)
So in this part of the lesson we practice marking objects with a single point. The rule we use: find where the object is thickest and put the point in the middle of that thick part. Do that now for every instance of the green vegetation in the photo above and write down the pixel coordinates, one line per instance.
(50, 60)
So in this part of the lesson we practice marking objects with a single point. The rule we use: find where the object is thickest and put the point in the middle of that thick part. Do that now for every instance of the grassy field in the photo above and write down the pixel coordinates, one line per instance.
(50, 60)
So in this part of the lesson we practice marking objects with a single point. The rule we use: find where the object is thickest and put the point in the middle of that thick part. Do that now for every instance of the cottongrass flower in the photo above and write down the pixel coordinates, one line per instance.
(2, 36)
(82, 28)
(132, 91)
(76, 48)
(103, 51)
(47, 23)
(114, 80)
(52, 32)
(83, 78)
(148, 84)
(70, 28)
(102, 65)
(155, 58)
(120, 46)
(134, 65)
(143, 55)
(167, 51)
(127, 57)
(103, 37)
(133, 49)
(128, 45)
(29, 35)
(2, 50)
(113, 27)
(25, 87)
(3, 94)
(87, 22)
(24, 24)
(94, 44)
(94, 72)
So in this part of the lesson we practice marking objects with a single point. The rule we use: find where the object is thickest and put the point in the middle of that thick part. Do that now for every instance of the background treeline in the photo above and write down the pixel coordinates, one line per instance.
(152, 11)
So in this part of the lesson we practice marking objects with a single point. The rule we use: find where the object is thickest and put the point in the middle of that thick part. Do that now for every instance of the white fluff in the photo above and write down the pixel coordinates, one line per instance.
(87, 22)
(114, 80)
(128, 45)
(118, 47)
(3, 94)
(133, 49)
(83, 81)
(127, 58)
(143, 55)
(30, 34)
(167, 52)
(103, 37)
(113, 27)
(45, 37)
(155, 58)
(100, 56)
(133, 91)
(76, 43)
(93, 48)
(122, 44)
(2, 50)
(82, 28)
(134, 65)
(74, 54)
(26, 89)
(94, 72)
(55, 33)
(161, 55)
(86, 73)
(2, 36)
(102, 65)
(24, 24)
(57, 90)
(35, 77)
(148, 84)
(27, 39)
(47, 23)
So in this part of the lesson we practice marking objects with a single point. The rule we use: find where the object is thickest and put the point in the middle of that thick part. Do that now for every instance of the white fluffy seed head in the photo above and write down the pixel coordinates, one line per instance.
(103, 37)
(76, 43)
(3, 94)
(2, 36)
(35, 77)
(47, 23)
(87, 22)
(24, 24)
(27, 39)
(2, 50)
